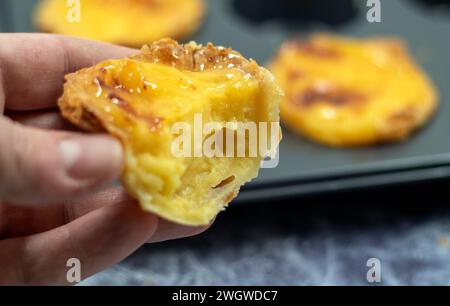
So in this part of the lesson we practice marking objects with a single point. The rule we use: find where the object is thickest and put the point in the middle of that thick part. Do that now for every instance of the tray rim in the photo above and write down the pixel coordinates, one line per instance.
(345, 183)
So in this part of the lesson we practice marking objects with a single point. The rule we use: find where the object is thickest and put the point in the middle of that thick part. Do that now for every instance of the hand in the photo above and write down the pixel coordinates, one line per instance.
(53, 201)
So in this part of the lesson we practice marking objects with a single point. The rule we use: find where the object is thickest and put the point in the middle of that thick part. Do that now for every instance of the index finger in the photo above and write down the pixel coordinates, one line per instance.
(32, 66)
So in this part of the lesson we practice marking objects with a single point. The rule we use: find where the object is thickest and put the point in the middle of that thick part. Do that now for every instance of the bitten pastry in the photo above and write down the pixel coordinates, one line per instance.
(140, 99)
(347, 92)
(127, 22)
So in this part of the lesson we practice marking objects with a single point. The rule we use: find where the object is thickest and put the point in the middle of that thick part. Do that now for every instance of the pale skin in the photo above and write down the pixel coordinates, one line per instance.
(55, 199)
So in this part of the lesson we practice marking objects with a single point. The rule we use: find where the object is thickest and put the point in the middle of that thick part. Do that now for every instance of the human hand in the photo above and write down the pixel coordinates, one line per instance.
(55, 202)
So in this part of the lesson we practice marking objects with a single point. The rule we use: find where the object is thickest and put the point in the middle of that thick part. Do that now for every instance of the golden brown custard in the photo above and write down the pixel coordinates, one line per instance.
(127, 22)
(349, 92)
(140, 99)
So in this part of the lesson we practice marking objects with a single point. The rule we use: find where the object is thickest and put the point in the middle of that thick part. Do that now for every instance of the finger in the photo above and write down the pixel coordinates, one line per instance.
(99, 240)
(168, 231)
(19, 221)
(33, 66)
(25, 220)
(43, 119)
(43, 166)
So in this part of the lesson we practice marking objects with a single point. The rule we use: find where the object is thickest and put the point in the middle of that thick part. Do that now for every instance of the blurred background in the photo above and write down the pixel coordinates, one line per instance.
(318, 217)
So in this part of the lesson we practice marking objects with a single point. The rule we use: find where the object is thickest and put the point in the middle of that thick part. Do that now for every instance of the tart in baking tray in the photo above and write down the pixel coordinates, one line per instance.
(127, 22)
(349, 92)
(140, 99)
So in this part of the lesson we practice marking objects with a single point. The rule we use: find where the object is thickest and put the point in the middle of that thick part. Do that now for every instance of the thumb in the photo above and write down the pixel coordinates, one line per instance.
(38, 166)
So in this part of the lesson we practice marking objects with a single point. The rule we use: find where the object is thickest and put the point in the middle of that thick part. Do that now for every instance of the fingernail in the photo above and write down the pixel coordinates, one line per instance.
(91, 157)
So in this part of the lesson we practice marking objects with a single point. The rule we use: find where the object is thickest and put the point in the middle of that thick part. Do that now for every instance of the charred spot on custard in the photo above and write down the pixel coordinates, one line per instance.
(295, 74)
(118, 100)
(332, 95)
(312, 48)
(114, 94)
(405, 115)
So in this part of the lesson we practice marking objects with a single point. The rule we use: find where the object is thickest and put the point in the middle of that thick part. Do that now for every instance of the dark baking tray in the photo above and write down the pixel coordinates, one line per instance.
(256, 28)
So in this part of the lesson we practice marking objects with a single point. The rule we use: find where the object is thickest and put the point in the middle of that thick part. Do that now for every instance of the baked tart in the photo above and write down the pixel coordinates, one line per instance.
(346, 92)
(140, 100)
(128, 22)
